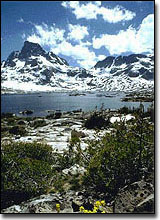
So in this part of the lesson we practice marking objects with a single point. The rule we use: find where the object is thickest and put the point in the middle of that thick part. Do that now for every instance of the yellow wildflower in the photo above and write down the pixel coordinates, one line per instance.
(103, 212)
(97, 203)
(81, 209)
(95, 208)
(103, 203)
(58, 207)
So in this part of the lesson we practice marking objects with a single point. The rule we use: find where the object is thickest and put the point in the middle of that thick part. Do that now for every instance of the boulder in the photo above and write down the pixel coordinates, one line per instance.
(146, 206)
(134, 198)
(41, 204)
(75, 169)
(27, 112)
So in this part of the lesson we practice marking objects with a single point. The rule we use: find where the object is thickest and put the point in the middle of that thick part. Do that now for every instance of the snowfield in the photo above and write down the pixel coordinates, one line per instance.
(32, 69)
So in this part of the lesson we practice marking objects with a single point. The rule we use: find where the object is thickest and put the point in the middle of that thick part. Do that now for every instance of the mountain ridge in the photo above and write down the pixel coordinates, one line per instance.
(45, 71)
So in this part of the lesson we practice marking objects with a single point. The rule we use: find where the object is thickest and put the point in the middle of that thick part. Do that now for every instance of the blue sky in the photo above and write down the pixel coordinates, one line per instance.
(81, 32)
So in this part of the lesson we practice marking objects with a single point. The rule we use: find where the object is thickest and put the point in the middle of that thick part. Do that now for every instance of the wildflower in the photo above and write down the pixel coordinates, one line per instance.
(97, 203)
(58, 207)
(95, 208)
(81, 209)
(103, 203)
(103, 212)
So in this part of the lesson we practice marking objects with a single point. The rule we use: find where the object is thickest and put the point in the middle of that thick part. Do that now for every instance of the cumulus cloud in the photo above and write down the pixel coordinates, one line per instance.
(46, 35)
(116, 14)
(77, 32)
(90, 10)
(101, 57)
(130, 40)
(79, 52)
(56, 40)
(72, 42)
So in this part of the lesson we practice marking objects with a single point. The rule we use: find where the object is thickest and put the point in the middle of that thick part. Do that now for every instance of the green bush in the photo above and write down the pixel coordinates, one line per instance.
(18, 130)
(54, 115)
(38, 123)
(75, 136)
(4, 128)
(75, 183)
(125, 110)
(26, 170)
(120, 158)
(96, 121)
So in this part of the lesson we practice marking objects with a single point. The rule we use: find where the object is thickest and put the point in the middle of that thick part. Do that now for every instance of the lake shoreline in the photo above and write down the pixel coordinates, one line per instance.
(41, 102)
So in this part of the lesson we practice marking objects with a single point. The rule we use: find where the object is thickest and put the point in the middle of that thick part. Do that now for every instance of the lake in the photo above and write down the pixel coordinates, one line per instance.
(41, 102)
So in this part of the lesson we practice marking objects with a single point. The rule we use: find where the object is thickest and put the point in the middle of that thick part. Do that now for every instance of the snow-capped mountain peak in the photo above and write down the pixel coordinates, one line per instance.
(34, 69)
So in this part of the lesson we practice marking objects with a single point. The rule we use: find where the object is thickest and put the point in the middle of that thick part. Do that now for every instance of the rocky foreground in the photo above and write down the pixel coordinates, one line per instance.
(136, 198)
(57, 130)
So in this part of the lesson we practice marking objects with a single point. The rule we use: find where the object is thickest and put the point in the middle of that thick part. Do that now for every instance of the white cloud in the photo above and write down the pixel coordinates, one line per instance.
(145, 34)
(90, 10)
(21, 20)
(137, 41)
(116, 14)
(77, 32)
(46, 35)
(53, 37)
(81, 53)
(98, 3)
(33, 38)
(101, 57)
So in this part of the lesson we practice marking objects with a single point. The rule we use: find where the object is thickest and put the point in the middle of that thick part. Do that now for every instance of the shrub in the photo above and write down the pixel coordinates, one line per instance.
(38, 123)
(18, 130)
(125, 110)
(55, 115)
(21, 122)
(75, 183)
(75, 136)
(96, 121)
(26, 171)
(4, 128)
(121, 157)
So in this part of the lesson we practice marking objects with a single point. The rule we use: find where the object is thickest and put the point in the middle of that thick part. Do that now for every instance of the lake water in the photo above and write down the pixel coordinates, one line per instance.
(41, 102)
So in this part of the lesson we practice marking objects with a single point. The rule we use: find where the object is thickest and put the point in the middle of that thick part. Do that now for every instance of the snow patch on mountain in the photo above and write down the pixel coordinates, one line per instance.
(33, 69)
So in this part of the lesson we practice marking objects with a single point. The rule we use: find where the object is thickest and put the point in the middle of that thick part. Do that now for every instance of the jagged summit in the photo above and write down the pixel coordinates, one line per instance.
(32, 68)
(133, 65)
(107, 62)
(31, 49)
(30, 53)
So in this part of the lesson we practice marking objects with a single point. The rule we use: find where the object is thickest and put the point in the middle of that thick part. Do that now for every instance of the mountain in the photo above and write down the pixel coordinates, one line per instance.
(34, 69)
(133, 65)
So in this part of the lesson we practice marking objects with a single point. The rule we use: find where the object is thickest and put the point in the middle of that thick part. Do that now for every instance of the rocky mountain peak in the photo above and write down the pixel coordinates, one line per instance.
(107, 62)
(11, 57)
(33, 64)
(31, 49)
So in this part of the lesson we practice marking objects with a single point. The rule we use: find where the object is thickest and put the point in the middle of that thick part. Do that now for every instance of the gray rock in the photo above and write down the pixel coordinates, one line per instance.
(44, 204)
(146, 206)
(133, 196)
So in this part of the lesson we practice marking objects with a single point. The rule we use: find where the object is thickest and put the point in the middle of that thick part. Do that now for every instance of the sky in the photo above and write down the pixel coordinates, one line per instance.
(82, 32)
